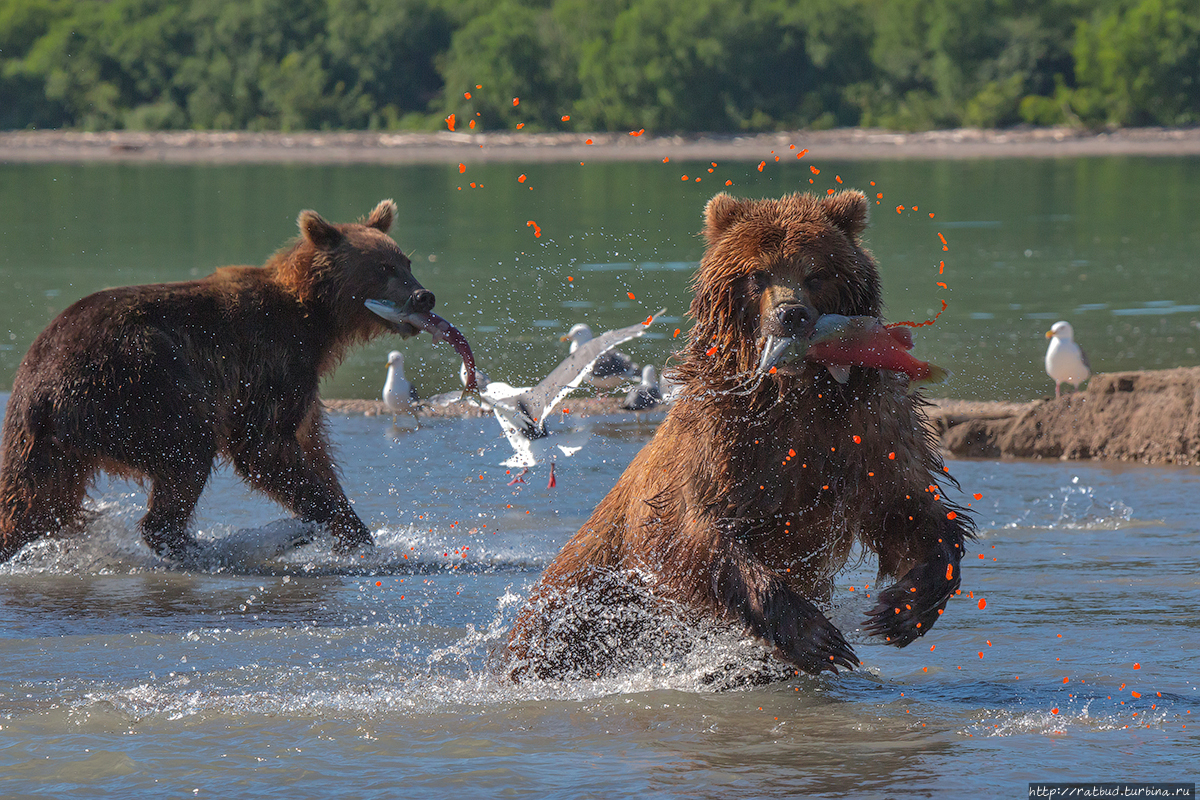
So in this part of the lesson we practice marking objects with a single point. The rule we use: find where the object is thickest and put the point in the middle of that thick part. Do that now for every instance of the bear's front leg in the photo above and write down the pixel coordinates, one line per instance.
(297, 472)
(172, 500)
(748, 590)
(910, 607)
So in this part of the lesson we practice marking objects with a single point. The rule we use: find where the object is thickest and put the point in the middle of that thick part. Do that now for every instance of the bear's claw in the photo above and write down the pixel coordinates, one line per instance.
(827, 650)
(813, 643)
(902, 615)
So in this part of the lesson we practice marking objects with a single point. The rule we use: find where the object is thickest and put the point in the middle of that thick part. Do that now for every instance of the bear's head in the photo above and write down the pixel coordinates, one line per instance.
(338, 267)
(771, 268)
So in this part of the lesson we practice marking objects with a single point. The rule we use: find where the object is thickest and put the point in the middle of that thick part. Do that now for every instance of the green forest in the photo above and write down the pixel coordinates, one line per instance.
(597, 65)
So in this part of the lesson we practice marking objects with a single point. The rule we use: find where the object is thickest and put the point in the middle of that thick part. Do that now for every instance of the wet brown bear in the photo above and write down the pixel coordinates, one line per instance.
(749, 497)
(156, 381)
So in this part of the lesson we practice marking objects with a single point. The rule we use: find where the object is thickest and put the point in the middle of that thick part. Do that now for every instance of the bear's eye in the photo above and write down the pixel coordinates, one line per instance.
(813, 282)
(759, 280)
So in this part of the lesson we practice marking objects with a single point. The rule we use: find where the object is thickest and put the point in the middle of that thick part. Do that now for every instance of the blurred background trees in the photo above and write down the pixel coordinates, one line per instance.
(663, 65)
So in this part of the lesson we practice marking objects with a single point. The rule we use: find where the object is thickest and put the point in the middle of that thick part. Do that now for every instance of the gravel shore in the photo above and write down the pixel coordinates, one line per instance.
(364, 147)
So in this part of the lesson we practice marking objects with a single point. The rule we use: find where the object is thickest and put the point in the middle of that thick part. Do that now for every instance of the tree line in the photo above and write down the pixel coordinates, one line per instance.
(662, 65)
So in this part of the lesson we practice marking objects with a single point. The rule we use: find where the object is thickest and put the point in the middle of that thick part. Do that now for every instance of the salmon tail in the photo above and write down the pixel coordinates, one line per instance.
(935, 374)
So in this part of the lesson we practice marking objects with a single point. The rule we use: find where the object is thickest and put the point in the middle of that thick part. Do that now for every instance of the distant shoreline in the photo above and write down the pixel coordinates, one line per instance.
(1145, 416)
(224, 147)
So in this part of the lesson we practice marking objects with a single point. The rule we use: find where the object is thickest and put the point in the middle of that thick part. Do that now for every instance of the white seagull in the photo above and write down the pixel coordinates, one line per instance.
(611, 369)
(522, 413)
(1065, 360)
(646, 395)
(398, 394)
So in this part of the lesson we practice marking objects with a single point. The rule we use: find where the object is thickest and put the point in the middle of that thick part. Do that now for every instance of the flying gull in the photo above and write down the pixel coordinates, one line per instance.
(522, 413)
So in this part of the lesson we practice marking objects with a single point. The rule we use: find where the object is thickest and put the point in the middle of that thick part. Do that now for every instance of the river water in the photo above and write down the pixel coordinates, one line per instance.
(263, 669)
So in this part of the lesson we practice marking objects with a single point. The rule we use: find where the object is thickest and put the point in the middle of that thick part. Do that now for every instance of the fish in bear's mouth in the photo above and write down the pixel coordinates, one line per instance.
(435, 326)
(839, 342)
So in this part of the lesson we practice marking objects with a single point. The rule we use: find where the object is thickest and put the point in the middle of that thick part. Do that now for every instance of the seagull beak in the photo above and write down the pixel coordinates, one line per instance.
(1049, 334)
(564, 338)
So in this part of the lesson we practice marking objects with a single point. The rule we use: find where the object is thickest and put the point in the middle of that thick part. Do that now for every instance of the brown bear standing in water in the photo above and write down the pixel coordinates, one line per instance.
(154, 382)
(747, 501)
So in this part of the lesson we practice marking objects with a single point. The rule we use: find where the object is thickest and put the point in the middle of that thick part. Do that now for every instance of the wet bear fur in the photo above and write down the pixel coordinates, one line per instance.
(748, 499)
(154, 382)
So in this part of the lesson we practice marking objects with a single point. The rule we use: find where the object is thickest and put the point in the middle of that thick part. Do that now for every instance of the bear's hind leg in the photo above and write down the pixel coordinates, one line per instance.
(172, 500)
(42, 482)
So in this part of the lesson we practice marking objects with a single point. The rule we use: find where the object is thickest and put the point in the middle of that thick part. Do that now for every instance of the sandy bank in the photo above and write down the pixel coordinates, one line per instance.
(1149, 417)
(360, 147)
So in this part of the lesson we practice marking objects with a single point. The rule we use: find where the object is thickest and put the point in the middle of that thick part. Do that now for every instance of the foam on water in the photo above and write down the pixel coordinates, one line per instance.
(111, 544)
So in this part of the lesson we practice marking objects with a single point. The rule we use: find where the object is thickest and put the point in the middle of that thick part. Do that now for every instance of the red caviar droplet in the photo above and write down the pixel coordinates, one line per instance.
(450, 122)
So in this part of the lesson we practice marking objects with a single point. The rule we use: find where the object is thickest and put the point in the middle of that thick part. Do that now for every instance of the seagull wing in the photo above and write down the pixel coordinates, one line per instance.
(542, 399)
(1083, 357)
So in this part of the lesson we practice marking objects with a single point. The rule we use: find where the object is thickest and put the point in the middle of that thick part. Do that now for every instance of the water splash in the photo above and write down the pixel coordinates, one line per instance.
(1073, 507)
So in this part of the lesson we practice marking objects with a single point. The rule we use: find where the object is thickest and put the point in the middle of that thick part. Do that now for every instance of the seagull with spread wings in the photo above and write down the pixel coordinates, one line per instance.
(522, 413)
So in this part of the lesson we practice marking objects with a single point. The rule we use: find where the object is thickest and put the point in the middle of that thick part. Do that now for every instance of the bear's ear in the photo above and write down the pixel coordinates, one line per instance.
(849, 211)
(382, 217)
(320, 233)
(719, 214)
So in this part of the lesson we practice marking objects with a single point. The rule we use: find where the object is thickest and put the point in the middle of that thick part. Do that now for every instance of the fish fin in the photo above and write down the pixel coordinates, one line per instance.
(840, 372)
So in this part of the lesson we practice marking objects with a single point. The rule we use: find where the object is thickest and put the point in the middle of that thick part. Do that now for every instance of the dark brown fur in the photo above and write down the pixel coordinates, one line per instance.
(749, 497)
(154, 382)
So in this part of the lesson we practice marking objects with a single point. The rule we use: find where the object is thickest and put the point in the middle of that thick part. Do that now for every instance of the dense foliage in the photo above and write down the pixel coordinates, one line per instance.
(663, 65)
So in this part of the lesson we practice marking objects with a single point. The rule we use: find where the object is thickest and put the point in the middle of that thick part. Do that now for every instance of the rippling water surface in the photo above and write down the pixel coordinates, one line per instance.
(264, 670)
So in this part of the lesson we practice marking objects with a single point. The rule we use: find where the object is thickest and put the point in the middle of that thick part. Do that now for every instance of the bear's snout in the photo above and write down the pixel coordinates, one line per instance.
(796, 320)
(421, 301)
